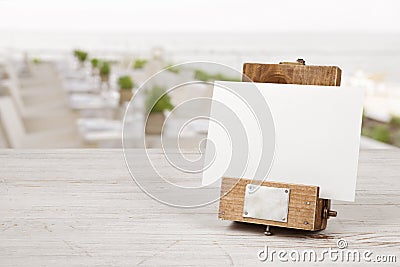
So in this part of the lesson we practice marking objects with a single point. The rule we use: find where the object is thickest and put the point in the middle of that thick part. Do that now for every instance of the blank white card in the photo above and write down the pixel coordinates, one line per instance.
(315, 130)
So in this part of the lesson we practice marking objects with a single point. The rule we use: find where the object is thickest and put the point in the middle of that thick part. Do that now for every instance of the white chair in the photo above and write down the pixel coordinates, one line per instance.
(17, 137)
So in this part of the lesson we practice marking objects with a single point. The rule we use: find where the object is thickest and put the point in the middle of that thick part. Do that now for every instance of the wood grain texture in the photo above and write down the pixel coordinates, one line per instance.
(81, 208)
(292, 74)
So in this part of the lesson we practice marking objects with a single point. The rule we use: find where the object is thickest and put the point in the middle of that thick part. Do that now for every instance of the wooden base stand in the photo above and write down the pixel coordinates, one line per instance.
(305, 209)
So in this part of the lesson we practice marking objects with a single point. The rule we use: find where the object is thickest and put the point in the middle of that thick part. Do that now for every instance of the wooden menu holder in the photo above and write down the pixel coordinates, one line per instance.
(286, 205)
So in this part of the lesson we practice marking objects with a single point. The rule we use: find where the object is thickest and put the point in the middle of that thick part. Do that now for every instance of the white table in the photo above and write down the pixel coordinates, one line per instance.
(92, 101)
(81, 208)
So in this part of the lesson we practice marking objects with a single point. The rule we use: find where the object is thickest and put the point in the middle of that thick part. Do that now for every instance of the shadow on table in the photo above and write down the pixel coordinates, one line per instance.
(278, 231)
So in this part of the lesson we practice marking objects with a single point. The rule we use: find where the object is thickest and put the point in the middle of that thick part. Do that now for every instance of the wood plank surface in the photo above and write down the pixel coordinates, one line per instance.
(292, 74)
(81, 208)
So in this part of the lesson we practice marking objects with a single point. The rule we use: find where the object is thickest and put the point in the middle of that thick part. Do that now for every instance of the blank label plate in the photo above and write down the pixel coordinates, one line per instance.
(267, 203)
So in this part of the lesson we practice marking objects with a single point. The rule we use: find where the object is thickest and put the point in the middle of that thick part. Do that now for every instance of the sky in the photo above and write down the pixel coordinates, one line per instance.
(201, 16)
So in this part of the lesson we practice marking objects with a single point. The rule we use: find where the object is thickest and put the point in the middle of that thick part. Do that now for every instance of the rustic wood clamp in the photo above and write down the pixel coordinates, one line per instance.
(279, 204)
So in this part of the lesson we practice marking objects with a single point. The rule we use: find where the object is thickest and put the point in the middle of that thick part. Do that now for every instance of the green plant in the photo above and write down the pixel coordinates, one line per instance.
(172, 69)
(36, 61)
(80, 55)
(158, 101)
(95, 63)
(395, 121)
(125, 82)
(381, 133)
(139, 63)
(105, 69)
(205, 76)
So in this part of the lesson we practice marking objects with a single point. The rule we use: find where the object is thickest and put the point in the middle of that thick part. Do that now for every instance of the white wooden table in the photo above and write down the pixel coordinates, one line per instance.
(81, 208)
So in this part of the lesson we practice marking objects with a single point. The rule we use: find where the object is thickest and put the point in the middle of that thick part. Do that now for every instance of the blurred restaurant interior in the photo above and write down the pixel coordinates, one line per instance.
(70, 88)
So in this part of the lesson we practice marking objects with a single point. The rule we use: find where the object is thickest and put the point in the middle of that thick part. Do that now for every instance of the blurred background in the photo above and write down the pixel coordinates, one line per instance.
(69, 68)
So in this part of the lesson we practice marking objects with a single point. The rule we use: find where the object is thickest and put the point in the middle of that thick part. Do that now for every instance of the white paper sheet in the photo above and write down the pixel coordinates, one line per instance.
(317, 135)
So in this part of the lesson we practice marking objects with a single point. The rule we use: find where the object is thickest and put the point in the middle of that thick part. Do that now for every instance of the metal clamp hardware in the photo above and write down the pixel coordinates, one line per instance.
(299, 61)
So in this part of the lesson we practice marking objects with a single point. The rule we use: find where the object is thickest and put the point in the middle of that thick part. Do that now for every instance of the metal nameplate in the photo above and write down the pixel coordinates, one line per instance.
(266, 203)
